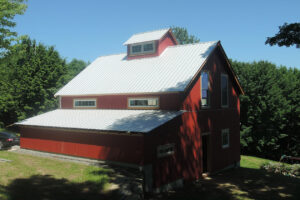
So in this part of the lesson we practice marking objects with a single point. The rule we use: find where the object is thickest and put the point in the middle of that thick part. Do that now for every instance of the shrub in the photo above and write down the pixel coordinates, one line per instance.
(281, 168)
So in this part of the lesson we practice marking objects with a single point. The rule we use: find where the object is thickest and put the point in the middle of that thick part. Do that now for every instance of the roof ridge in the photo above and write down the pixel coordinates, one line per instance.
(180, 45)
(174, 46)
(114, 54)
(151, 31)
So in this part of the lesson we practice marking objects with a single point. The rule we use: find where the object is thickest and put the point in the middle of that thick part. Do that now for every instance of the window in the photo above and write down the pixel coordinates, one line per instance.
(205, 93)
(143, 102)
(225, 138)
(143, 48)
(136, 49)
(148, 47)
(224, 90)
(165, 150)
(84, 103)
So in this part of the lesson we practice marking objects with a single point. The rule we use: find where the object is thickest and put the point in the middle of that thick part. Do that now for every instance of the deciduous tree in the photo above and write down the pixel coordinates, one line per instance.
(30, 74)
(289, 34)
(8, 10)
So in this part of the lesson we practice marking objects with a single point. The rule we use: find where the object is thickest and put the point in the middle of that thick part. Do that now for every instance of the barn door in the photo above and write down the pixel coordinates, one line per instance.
(205, 142)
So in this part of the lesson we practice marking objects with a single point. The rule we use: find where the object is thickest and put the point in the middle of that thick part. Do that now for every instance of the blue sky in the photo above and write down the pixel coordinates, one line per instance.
(86, 29)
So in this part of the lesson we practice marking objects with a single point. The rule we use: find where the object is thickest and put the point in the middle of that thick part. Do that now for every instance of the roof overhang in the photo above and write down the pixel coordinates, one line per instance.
(136, 121)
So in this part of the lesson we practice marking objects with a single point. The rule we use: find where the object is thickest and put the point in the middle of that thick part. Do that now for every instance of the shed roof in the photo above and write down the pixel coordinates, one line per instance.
(146, 36)
(104, 120)
(114, 74)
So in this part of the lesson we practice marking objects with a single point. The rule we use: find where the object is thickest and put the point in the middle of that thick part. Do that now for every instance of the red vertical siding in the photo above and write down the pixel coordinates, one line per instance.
(168, 101)
(216, 118)
(112, 147)
(187, 130)
(165, 42)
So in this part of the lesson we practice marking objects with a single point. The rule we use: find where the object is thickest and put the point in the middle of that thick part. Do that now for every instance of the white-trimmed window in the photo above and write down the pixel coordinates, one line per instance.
(165, 150)
(224, 90)
(142, 48)
(205, 89)
(143, 102)
(84, 103)
(225, 138)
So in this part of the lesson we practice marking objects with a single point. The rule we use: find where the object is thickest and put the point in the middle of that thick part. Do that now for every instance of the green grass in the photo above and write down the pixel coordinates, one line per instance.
(253, 162)
(248, 182)
(30, 177)
(26, 172)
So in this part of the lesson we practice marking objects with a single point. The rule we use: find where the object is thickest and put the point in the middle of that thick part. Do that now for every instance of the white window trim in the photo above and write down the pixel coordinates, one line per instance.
(142, 48)
(228, 137)
(74, 104)
(146, 98)
(227, 105)
(59, 99)
(165, 146)
(205, 106)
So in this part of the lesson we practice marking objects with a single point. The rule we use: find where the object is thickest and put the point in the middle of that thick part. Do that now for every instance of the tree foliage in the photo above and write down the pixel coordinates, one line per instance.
(289, 34)
(8, 10)
(74, 67)
(30, 75)
(183, 37)
(270, 109)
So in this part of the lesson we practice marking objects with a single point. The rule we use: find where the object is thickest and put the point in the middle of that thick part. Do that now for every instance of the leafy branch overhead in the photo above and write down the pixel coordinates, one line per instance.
(288, 35)
(8, 10)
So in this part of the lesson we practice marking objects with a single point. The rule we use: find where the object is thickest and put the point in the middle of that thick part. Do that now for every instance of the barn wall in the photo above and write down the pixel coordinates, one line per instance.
(168, 101)
(112, 147)
(185, 163)
(212, 120)
(186, 131)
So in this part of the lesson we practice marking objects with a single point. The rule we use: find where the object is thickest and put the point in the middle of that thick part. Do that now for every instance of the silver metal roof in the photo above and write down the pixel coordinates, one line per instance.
(105, 120)
(114, 74)
(146, 36)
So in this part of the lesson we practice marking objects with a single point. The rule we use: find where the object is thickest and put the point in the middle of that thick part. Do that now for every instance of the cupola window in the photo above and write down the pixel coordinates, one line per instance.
(143, 48)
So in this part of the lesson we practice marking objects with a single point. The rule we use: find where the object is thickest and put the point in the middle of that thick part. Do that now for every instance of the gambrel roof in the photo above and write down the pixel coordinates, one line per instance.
(172, 71)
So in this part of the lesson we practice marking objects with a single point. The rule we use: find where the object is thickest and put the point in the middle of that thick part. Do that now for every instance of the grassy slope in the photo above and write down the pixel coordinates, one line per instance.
(253, 162)
(52, 179)
(26, 169)
(248, 182)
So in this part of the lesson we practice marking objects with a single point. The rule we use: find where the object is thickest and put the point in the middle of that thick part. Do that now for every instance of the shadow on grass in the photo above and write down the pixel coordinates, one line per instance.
(242, 183)
(128, 181)
(50, 188)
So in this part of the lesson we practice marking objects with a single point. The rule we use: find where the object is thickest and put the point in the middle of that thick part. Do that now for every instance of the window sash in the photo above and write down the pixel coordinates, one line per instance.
(143, 48)
(165, 150)
(143, 102)
(225, 138)
(224, 90)
(205, 89)
(85, 103)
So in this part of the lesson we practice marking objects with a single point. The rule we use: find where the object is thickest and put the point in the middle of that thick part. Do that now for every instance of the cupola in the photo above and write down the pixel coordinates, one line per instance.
(149, 44)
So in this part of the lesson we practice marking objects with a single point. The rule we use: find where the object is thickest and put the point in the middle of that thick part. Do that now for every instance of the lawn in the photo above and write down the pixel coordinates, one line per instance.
(30, 177)
(247, 182)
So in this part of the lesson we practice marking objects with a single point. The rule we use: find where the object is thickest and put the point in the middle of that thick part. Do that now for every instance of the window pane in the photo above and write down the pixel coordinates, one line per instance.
(224, 90)
(148, 47)
(136, 48)
(204, 94)
(205, 80)
(225, 138)
(143, 102)
(205, 88)
(85, 103)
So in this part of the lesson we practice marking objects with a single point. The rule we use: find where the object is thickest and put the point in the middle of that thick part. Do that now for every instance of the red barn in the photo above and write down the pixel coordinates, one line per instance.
(170, 110)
